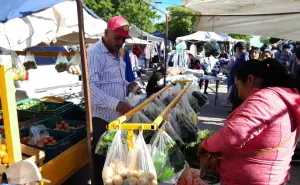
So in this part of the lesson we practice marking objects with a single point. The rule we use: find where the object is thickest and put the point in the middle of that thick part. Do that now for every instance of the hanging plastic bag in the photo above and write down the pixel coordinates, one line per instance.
(74, 64)
(188, 129)
(172, 133)
(166, 97)
(166, 156)
(104, 142)
(186, 107)
(139, 117)
(133, 99)
(62, 63)
(115, 167)
(29, 61)
(159, 103)
(201, 98)
(174, 124)
(192, 100)
(152, 111)
(18, 67)
(39, 136)
(141, 167)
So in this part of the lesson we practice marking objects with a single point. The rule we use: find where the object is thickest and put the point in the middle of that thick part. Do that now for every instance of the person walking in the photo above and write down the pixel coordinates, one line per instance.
(108, 85)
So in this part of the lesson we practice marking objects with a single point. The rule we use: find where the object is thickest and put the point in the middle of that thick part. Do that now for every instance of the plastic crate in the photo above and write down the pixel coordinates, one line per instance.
(76, 113)
(52, 150)
(43, 109)
(80, 133)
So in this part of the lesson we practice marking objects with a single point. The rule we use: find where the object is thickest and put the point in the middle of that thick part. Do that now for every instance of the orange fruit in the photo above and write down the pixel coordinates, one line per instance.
(5, 159)
(3, 147)
(2, 153)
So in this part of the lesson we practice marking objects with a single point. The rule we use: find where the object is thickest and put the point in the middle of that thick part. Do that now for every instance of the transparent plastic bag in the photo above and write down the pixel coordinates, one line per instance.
(186, 107)
(172, 133)
(74, 64)
(62, 63)
(174, 124)
(39, 136)
(18, 67)
(133, 99)
(141, 171)
(192, 100)
(159, 103)
(115, 167)
(166, 156)
(104, 142)
(166, 97)
(29, 61)
(152, 111)
(189, 131)
(139, 117)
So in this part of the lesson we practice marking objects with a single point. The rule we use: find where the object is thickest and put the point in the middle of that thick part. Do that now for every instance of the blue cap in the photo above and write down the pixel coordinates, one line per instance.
(291, 46)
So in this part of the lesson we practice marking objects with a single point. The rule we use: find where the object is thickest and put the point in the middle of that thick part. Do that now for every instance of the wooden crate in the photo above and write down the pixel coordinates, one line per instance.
(29, 154)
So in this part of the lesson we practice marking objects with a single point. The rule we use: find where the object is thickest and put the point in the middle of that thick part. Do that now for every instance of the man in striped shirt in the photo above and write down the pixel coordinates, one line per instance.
(108, 86)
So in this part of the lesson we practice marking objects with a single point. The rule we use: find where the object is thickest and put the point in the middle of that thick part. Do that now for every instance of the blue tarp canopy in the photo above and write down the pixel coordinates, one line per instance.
(11, 9)
(47, 60)
(158, 34)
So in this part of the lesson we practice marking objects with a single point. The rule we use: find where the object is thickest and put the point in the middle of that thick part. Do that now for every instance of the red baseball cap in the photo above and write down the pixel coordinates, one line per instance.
(119, 25)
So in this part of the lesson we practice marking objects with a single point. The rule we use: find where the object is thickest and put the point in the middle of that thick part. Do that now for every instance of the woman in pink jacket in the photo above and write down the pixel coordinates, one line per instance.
(268, 118)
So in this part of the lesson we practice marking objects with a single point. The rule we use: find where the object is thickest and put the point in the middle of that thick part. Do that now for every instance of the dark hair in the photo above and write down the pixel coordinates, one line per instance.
(298, 52)
(269, 52)
(255, 49)
(273, 73)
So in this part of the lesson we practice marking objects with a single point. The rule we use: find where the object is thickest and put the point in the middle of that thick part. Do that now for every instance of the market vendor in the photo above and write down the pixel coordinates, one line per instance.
(108, 86)
(258, 139)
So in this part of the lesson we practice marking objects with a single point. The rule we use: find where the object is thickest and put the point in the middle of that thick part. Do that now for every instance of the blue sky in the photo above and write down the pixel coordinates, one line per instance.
(165, 3)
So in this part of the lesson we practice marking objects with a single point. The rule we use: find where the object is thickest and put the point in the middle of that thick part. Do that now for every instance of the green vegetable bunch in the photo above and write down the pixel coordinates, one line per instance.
(104, 142)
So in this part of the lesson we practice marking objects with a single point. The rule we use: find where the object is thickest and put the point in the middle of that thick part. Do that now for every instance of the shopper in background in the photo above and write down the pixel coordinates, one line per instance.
(285, 56)
(224, 54)
(258, 139)
(23, 173)
(153, 86)
(242, 56)
(108, 85)
(267, 54)
(276, 52)
(254, 53)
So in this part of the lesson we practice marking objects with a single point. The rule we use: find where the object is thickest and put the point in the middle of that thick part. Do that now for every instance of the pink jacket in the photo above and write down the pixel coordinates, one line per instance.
(267, 118)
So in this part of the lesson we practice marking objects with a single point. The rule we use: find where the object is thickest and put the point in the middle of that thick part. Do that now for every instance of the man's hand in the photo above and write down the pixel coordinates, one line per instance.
(123, 107)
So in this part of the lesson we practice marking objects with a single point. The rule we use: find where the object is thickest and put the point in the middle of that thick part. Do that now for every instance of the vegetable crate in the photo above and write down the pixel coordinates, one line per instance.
(76, 113)
(36, 108)
(58, 123)
(63, 142)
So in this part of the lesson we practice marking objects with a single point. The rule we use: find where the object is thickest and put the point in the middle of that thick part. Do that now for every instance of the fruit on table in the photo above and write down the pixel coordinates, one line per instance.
(64, 126)
(50, 140)
(3, 155)
(28, 105)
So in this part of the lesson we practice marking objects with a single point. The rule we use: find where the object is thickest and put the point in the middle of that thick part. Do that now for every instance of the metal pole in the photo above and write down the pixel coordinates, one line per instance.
(152, 5)
(86, 88)
(166, 47)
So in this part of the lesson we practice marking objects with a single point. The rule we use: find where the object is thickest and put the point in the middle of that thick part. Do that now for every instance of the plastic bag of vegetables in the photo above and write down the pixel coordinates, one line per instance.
(159, 103)
(166, 97)
(141, 168)
(73, 67)
(172, 133)
(188, 129)
(167, 157)
(62, 63)
(186, 107)
(115, 167)
(152, 111)
(29, 61)
(104, 142)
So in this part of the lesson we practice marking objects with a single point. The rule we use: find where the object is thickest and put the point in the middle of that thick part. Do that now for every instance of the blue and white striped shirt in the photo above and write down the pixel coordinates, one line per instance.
(107, 82)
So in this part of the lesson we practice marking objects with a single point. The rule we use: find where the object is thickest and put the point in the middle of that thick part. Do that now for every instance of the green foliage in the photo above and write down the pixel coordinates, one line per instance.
(247, 38)
(134, 11)
(210, 49)
(264, 40)
(178, 25)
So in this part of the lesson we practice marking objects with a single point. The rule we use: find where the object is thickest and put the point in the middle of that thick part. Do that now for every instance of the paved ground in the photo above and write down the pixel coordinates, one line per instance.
(212, 117)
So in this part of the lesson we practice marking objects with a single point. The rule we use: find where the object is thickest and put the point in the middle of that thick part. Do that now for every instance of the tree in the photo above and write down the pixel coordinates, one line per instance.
(179, 23)
(247, 38)
(135, 12)
(264, 40)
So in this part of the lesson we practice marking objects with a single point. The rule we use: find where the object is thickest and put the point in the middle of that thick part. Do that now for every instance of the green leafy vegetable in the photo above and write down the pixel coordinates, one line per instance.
(166, 174)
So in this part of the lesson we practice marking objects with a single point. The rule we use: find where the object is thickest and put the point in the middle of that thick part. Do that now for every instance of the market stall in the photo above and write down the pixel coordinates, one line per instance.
(57, 165)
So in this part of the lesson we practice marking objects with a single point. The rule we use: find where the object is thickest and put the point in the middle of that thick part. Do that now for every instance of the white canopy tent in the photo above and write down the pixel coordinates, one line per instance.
(135, 40)
(273, 18)
(136, 32)
(205, 36)
(57, 25)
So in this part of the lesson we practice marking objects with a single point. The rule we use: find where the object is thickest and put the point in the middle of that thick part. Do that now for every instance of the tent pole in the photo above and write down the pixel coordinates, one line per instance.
(86, 88)
(166, 47)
